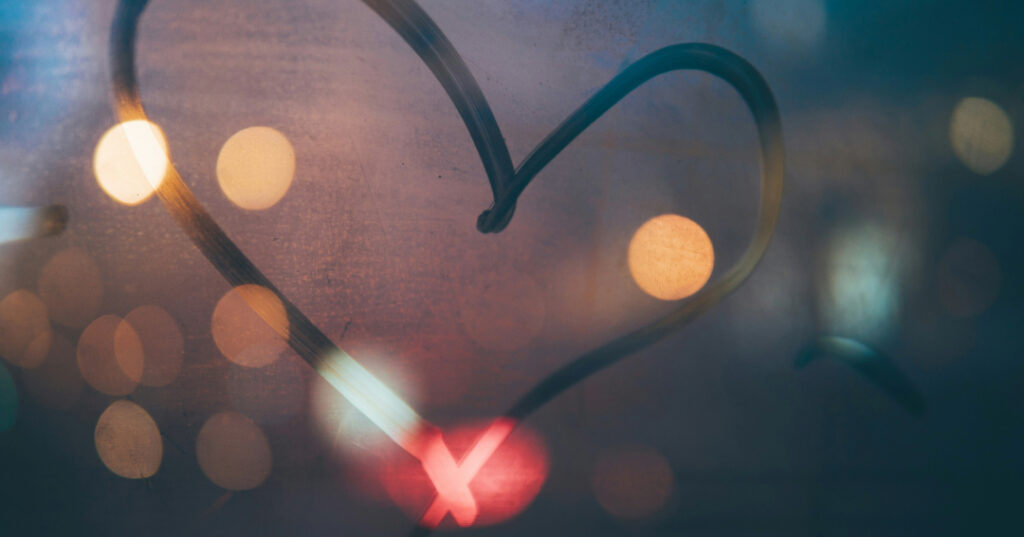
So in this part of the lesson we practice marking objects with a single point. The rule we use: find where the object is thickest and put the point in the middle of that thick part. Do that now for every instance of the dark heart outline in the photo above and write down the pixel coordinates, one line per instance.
(427, 40)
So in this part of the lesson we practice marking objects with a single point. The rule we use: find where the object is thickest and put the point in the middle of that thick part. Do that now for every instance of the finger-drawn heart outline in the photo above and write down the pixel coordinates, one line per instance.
(427, 40)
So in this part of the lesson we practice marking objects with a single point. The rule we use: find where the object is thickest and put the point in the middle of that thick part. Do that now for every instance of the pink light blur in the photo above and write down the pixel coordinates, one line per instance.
(496, 478)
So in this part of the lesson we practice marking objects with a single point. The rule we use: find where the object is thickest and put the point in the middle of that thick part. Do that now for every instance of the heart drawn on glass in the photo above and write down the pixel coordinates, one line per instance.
(450, 477)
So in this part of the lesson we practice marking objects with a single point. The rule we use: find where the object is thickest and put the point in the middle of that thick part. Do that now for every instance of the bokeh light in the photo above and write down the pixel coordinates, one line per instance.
(162, 345)
(24, 329)
(861, 292)
(128, 440)
(255, 167)
(791, 24)
(981, 134)
(98, 359)
(968, 278)
(671, 257)
(233, 452)
(632, 482)
(57, 383)
(131, 161)
(505, 485)
(71, 287)
(502, 311)
(244, 336)
(8, 400)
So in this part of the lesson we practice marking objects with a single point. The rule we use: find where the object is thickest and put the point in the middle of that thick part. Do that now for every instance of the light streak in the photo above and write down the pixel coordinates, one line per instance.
(371, 397)
(420, 439)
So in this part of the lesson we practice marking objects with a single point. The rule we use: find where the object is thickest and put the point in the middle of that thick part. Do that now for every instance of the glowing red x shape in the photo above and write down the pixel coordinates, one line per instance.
(451, 479)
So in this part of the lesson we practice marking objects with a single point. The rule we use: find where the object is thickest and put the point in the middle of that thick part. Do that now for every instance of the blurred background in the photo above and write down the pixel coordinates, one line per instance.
(900, 229)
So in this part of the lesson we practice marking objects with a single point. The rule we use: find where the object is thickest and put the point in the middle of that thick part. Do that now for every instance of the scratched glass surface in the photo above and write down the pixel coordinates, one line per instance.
(863, 380)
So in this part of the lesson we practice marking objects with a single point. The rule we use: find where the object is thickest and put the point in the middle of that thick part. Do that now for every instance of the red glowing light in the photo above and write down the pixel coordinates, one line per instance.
(498, 475)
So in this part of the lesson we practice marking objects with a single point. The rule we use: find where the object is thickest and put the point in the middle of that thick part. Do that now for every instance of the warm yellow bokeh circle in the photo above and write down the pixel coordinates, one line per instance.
(981, 135)
(233, 452)
(128, 440)
(131, 160)
(255, 167)
(245, 326)
(671, 257)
